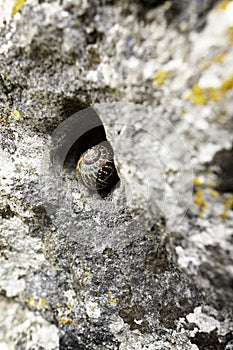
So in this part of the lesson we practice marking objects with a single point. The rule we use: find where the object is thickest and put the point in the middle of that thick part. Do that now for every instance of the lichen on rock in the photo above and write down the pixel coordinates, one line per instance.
(149, 265)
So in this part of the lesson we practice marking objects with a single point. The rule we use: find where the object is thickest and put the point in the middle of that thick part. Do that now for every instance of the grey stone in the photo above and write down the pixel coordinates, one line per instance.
(126, 270)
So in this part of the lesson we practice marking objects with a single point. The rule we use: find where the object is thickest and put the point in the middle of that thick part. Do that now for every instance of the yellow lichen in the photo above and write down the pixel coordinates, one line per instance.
(68, 304)
(109, 292)
(66, 320)
(29, 300)
(223, 4)
(111, 300)
(35, 302)
(200, 96)
(227, 84)
(17, 114)
(229, 32)
(216, 59)
(224, 214)
(160, 77)
(43, 301)
(197, 95)
(214, 94)
(11, 116)
(94, 305)
(228, 203)
(88, 276)
(198, 200)
(196, 181)
(18, 4)
(214, 193)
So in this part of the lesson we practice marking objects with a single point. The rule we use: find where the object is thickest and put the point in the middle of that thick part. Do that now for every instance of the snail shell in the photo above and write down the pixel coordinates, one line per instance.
(96, 168)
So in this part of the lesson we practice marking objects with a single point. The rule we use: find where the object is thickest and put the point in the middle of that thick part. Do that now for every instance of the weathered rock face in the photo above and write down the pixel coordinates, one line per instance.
(149, 265)
(158, 177)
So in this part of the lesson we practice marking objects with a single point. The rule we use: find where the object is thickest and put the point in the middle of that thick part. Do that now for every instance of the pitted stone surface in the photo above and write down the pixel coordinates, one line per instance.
(113, 273)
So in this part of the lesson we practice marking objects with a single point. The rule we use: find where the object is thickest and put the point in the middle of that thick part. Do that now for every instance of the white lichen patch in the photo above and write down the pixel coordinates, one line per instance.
(7, 170)
(216, 234)
(21, 326)
(207, 323)
(213, 35)
(93, 309)
(204, 322)
(134, 340)
(187, 260)
(20, 254)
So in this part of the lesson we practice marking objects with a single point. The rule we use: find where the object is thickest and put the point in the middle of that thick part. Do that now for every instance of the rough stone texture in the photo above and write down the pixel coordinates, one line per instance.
(158, 179)
(23, 329)
(120, 271)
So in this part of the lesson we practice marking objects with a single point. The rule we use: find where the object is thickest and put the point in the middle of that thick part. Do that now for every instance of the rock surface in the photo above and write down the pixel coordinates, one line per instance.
(149, 266)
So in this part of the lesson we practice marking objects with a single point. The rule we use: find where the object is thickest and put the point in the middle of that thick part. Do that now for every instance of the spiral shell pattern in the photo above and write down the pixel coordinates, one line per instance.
(96, 168)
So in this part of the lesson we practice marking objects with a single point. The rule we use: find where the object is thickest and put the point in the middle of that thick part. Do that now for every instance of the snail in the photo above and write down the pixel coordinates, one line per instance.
(96, 168)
